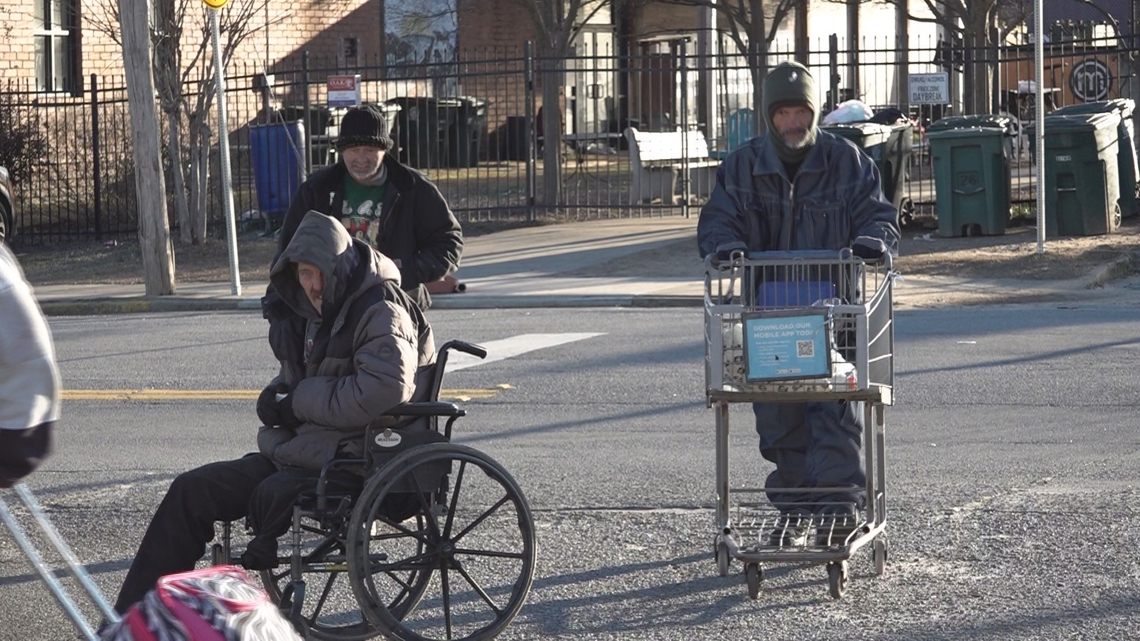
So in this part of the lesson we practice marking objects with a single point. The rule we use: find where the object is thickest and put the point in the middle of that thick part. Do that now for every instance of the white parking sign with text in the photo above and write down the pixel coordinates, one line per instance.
(929, 88)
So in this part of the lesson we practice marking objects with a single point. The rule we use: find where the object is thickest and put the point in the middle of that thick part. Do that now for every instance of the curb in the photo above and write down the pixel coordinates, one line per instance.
(1120, 268)
(143, 305)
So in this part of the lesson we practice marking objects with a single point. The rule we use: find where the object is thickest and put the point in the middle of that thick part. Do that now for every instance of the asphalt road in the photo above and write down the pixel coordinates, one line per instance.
(1012, 483)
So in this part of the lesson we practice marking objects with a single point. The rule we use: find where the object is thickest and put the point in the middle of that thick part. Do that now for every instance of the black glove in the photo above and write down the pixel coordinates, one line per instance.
(724, 251)
(869, 248)
(285, 411)
(267, 407)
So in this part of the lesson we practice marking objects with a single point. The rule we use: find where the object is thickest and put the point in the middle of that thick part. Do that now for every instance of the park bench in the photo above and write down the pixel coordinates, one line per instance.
(657, 159)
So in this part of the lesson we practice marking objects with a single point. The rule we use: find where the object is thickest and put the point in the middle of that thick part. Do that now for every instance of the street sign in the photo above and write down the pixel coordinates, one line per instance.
(344, 91)
(215, 4)
(929, 88)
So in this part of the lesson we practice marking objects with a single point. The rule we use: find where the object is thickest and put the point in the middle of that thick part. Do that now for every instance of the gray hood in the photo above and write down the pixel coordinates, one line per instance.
(323, 241)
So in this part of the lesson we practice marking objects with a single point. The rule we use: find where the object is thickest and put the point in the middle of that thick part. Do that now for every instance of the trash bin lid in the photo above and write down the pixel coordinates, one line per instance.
(995, 121)
(965, 132)
(1081, 122)
(863, 133)
(1122, 106)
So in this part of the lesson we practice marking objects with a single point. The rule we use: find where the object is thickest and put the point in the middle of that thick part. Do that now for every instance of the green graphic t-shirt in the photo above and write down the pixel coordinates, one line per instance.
(361, 211)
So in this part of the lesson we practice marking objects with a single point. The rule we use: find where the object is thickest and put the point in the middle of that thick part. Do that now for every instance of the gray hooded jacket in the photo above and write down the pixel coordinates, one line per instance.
(366, 350)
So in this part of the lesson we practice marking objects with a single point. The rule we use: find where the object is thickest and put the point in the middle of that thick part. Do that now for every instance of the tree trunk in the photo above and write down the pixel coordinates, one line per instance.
(154, 228)
(203, 177)
(199, 174)
(178, 177)
(758, 49)
(552, 131)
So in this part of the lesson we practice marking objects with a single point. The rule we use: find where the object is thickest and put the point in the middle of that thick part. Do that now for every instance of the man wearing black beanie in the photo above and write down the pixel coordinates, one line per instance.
(385, 203)
(799, 188)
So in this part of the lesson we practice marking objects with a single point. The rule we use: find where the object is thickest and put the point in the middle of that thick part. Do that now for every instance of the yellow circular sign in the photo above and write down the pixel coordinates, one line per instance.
(215, 4)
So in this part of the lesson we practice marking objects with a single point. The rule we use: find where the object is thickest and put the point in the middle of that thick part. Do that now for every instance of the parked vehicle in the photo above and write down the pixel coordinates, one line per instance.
(7, 210)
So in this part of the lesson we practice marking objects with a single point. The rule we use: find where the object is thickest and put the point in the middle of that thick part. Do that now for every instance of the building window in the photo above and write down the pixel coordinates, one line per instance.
(57, 45)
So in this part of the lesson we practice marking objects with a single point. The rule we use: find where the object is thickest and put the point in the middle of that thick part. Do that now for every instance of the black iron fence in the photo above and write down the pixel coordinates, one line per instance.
(475, 126)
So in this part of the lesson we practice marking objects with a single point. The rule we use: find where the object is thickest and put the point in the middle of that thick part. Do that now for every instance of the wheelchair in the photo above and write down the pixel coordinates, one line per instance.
(438, 544)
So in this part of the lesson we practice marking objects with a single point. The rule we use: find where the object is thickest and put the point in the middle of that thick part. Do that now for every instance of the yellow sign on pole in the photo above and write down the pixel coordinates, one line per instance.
(215, 4)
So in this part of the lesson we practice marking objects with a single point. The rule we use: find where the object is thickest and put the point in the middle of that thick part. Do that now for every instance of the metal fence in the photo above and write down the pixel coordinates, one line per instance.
(475, 127)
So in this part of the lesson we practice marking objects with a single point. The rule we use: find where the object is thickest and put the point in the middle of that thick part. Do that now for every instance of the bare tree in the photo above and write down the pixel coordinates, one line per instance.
(179, 65)
(752, 26)
(557, 23)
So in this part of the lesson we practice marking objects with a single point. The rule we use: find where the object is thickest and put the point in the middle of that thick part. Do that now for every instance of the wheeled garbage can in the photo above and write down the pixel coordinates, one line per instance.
(889, 146)
(1127, 168)
(971, 180)
(1082, 187)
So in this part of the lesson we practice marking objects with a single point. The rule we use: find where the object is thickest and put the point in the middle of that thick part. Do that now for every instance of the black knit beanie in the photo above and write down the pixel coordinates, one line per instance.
(790, 83)
(363, 127)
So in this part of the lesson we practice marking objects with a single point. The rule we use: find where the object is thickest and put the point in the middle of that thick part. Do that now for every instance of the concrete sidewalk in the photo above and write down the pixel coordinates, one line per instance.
(538, 267)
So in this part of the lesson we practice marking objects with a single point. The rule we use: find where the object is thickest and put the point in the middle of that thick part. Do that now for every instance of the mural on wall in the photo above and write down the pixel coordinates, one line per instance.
(420, 31)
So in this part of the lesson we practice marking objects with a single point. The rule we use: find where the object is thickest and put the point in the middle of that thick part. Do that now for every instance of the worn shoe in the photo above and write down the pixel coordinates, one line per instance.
(259, 557)
(835, 529)
(792, 529)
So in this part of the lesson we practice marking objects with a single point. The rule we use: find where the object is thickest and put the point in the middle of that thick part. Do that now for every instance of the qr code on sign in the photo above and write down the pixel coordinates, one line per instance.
(805, 349)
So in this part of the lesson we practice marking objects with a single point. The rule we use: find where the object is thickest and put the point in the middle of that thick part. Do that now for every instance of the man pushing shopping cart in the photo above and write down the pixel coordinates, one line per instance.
(795, 218)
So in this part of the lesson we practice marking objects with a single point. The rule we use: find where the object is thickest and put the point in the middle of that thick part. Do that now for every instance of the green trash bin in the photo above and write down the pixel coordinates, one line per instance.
(1127, 168)
(1007, 124)
(971, 180)
(1082, 186)
(888, 146)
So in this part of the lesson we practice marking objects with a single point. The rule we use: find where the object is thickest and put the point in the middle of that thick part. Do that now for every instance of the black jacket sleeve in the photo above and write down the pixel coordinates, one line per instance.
(439, 239)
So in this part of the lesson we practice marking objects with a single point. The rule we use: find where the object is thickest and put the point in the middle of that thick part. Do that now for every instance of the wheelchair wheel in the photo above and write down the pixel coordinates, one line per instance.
(474, 537)
(328, 607)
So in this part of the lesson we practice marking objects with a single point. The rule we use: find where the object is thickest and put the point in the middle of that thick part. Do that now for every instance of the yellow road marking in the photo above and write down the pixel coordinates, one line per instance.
(234, 395)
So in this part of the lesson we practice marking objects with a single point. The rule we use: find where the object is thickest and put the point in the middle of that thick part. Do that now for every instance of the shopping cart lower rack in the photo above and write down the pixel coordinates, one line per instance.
(796, 327)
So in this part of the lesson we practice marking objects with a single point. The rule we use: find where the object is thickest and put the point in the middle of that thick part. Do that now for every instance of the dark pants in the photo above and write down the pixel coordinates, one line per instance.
(226, 491)
(22, 451)
(814, 445)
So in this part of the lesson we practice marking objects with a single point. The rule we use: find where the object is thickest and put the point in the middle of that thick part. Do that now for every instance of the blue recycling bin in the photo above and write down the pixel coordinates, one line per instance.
(278, 152)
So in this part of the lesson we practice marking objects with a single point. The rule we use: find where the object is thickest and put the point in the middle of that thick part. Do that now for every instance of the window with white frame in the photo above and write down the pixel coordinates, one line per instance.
(57, 45)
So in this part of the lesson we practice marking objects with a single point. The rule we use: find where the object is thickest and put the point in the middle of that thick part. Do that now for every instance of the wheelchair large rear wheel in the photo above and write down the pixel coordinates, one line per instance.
(475, 538)
(328, 607)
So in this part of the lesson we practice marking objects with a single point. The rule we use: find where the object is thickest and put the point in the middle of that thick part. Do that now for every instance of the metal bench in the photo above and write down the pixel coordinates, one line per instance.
(658, 157)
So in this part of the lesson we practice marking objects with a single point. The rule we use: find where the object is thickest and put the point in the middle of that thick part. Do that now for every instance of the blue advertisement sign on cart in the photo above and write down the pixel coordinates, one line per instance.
(784, 346)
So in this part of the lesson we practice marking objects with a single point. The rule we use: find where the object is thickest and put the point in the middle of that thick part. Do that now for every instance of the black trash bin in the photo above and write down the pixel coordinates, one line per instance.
(466, 130)
(418, 135)
(889, 146)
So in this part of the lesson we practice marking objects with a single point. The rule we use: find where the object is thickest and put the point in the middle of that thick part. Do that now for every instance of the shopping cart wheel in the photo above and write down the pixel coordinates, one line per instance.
(722, 559)
(879, 554)
(837, 578)
(753, 575)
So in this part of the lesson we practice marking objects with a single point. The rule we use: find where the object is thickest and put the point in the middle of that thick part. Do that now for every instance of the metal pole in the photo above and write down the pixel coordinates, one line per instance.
(1039, 118)
(684, 69)
(224, 153)
(707, 90)
(531, 132)
(96, 168)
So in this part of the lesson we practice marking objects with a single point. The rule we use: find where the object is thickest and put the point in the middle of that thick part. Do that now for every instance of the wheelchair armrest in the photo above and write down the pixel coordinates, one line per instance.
(465, 347)
(426, 408)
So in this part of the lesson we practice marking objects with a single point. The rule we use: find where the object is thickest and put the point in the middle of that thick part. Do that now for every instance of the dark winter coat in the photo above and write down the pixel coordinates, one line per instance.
(365, 352)
(417, 229)
(834, 199)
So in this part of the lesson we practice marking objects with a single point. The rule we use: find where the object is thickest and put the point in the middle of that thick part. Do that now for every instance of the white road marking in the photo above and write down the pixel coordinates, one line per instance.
(513, 346)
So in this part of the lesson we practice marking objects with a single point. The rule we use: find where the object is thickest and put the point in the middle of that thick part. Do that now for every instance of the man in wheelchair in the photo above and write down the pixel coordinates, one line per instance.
(366, 347)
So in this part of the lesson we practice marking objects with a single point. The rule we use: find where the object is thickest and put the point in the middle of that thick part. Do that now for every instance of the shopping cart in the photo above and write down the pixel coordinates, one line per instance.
(46, 574)
(794, 327)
